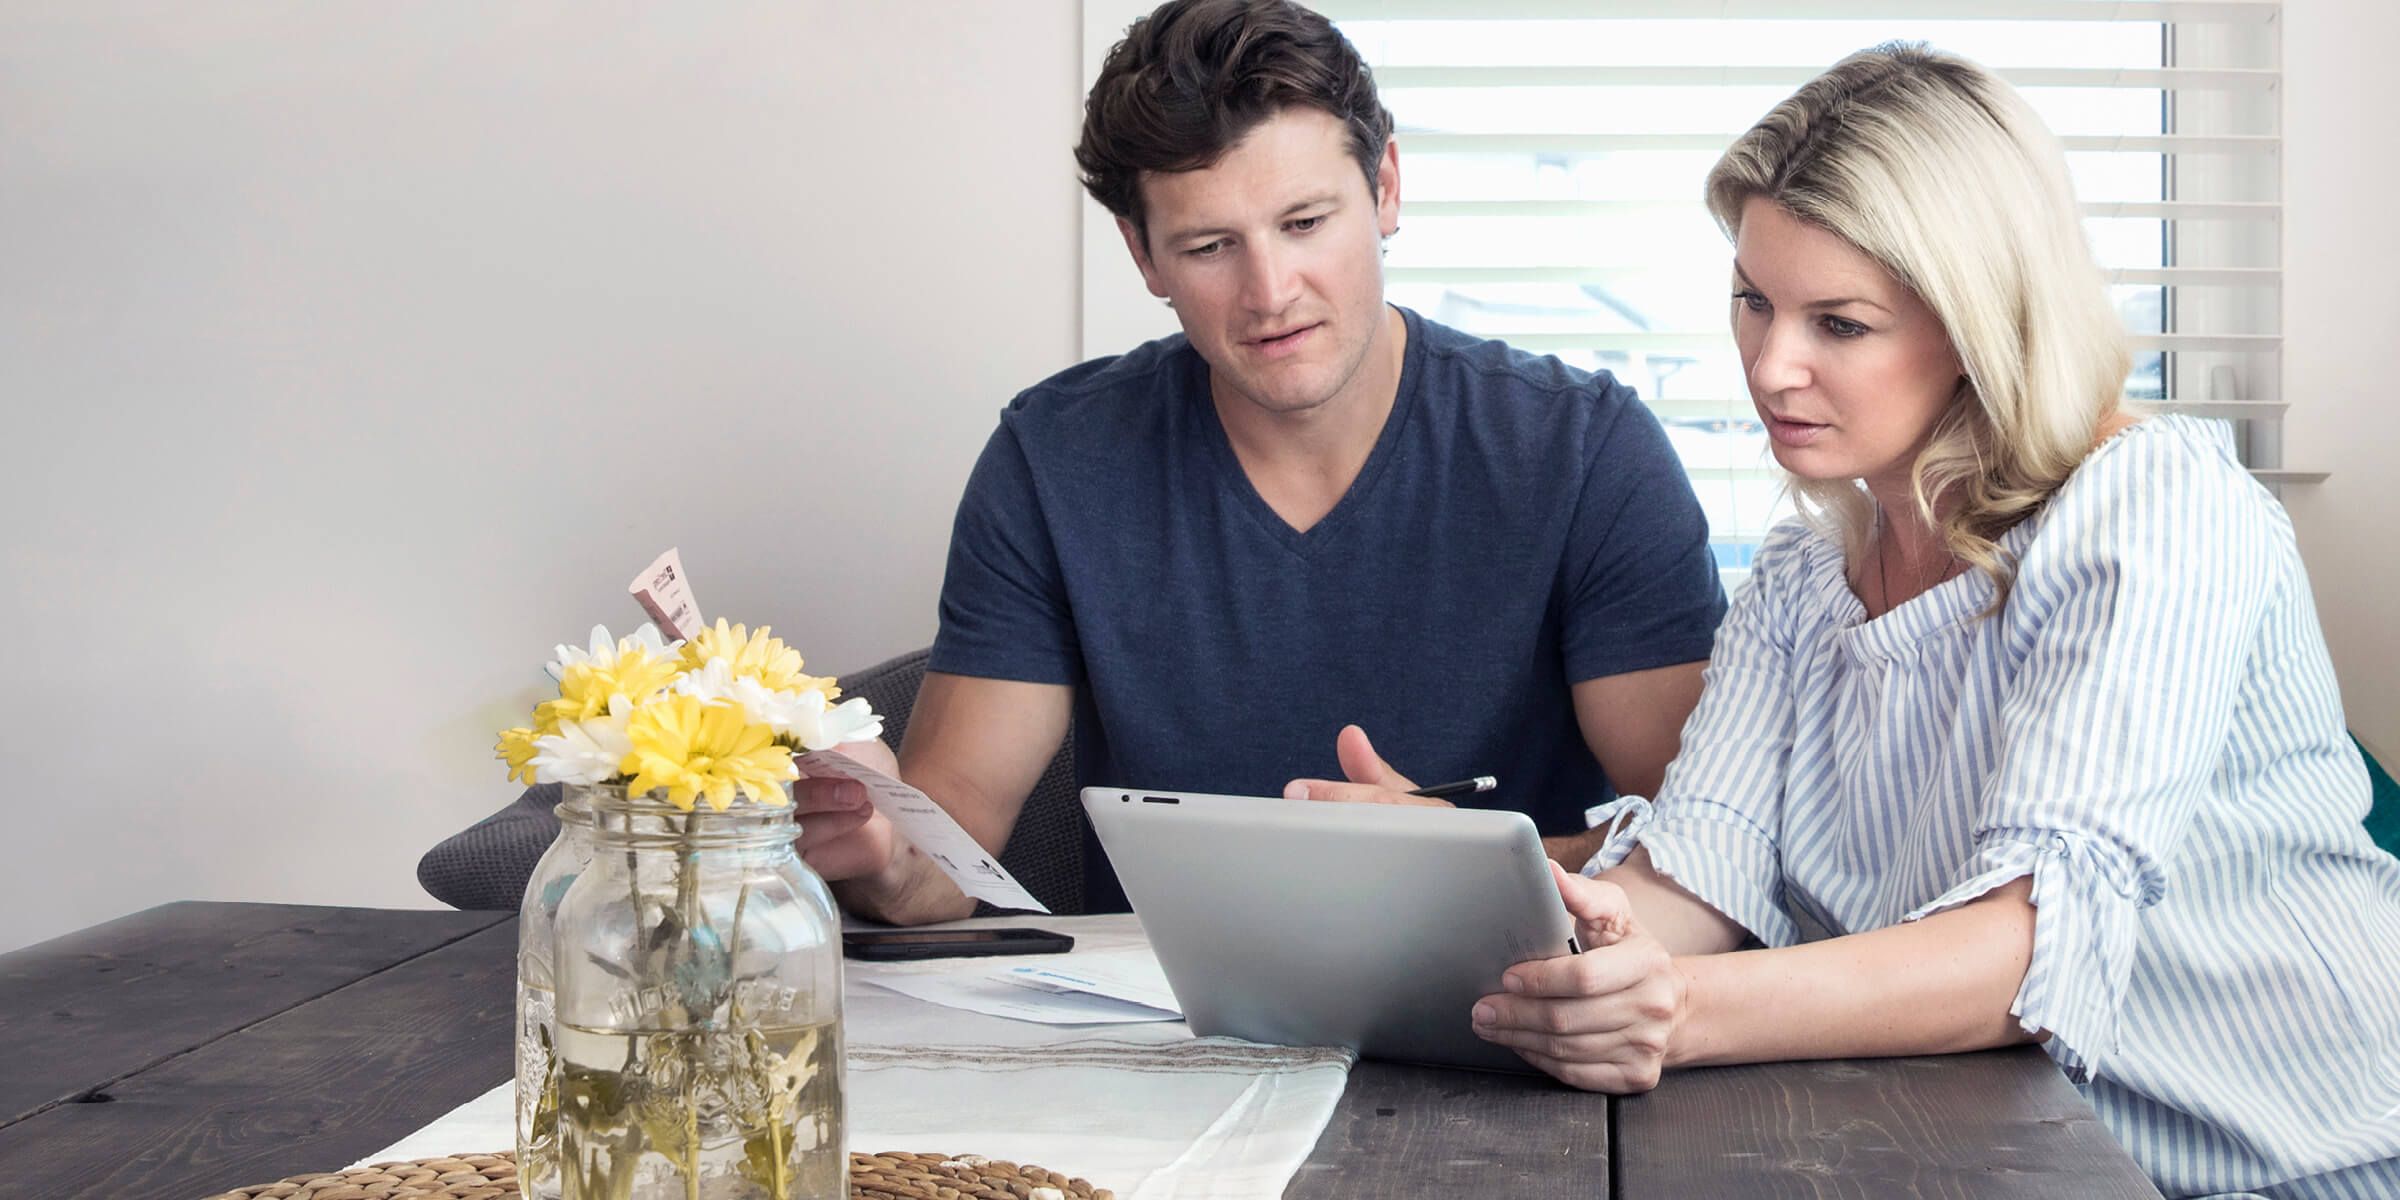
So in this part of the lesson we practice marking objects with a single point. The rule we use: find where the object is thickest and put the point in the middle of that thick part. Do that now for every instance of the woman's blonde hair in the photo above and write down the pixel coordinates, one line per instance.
(1941, 173)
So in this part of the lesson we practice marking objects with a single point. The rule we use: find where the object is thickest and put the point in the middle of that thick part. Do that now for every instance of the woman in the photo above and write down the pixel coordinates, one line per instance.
(2027, 731)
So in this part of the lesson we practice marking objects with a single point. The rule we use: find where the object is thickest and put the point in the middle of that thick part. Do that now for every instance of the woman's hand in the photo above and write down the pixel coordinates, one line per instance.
(1605, 1020)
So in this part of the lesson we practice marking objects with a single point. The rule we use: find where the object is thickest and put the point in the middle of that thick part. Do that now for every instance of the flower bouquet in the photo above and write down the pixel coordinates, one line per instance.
(618, 719)
(691, 980)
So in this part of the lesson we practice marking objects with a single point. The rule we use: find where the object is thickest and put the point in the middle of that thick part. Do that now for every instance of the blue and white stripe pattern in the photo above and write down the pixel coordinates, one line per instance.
(2150, 729)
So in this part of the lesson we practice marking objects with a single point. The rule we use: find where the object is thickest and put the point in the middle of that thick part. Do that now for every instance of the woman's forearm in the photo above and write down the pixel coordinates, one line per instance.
(1681, 922)
(1936, 986)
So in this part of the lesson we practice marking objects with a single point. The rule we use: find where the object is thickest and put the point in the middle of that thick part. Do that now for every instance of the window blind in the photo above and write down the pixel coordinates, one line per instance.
(1552, 153)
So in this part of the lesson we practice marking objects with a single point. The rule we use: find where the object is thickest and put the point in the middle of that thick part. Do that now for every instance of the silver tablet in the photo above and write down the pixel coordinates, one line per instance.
(1296, 922)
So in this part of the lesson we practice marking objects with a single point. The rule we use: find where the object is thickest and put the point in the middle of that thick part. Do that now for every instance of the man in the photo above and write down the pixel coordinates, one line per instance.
(1311, 508)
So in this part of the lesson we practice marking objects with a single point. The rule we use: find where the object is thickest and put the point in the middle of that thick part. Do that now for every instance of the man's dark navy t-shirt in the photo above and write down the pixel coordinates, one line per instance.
(1520, 526)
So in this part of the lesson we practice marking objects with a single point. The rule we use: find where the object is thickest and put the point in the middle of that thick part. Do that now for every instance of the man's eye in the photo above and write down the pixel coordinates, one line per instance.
(1304, 224)
(1206, 250)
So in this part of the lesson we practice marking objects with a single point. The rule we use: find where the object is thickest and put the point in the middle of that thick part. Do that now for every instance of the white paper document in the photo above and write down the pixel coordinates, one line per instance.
(1133, 976)
(1105, 987)
(999, 997)
(929, 829)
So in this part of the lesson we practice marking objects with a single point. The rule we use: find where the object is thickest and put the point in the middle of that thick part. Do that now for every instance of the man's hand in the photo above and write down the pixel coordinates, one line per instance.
(842, 836)
(1371, 780)
(1603, 1020)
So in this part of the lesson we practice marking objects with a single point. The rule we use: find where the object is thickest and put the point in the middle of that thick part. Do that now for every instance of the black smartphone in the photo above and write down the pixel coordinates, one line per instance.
(902, 945)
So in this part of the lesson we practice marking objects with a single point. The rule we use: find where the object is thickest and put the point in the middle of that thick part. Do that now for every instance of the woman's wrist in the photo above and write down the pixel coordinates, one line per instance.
(1695, 1040)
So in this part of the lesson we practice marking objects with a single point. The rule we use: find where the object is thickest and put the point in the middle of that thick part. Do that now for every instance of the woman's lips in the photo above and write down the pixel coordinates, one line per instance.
(1792, 433)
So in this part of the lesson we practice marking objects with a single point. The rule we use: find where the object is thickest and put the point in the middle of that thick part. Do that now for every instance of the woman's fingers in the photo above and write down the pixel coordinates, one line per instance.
(1603, 914)
(1595, 972)
(1601, 1019)
(1615, 1078)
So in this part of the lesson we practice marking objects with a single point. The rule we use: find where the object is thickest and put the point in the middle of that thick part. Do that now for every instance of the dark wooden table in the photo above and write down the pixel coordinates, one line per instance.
(199, 1047)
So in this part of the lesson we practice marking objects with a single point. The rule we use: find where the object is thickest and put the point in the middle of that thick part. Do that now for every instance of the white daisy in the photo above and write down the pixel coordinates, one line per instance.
(712, 684)
(587, 751)
(850, 721)
(605, 649)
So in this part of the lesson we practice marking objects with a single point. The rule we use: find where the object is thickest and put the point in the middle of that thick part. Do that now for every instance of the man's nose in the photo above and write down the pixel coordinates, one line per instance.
(1271, 280)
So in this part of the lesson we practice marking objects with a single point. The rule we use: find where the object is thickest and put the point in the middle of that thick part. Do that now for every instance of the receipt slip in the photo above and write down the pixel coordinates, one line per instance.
(929, 829)
(665, 592)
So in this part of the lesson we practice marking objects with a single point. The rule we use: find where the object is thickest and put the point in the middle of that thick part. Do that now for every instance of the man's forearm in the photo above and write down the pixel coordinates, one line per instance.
(1937, 986)
(1572, 850)
(976, 747)
(911, 891)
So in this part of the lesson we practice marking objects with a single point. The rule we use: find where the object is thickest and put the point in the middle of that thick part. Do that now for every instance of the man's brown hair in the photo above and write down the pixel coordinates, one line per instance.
(1195, 77)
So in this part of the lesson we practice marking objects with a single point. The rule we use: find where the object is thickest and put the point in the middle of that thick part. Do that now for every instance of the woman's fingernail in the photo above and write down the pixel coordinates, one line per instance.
(1484, 1014)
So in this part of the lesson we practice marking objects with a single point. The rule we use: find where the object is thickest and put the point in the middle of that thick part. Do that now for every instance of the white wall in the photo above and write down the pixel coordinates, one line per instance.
(1118, 309)
(352, 355)
(2341, 319)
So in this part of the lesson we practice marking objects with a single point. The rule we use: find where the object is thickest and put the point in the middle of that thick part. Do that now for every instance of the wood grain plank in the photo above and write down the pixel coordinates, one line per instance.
(85, 1010)
(311, 1089)
(1418, 1131)
(1998, 1124)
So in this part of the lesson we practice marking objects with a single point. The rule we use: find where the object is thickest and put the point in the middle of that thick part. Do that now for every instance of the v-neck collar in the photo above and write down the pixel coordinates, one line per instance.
(1328, 528)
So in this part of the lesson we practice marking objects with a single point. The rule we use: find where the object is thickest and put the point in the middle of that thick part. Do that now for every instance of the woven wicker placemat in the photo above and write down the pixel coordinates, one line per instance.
(889, 1176)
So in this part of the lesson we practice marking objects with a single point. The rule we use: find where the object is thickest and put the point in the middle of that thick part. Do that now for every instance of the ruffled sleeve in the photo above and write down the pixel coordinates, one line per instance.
(2136, 602)
(2087, 899)
(1712, 826)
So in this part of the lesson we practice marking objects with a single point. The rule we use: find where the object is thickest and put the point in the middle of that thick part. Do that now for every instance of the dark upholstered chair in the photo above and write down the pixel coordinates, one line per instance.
(2383, 818)
(485, 866)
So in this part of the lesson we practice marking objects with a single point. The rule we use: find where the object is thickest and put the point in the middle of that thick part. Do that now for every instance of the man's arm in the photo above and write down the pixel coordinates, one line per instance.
(1634, 723)
(977, 747)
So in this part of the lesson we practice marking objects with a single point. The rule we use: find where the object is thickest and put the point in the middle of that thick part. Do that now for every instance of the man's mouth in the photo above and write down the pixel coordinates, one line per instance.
(1282, 341)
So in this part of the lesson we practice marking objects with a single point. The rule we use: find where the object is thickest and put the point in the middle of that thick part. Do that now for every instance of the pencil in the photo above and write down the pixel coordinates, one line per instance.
(1481, 783)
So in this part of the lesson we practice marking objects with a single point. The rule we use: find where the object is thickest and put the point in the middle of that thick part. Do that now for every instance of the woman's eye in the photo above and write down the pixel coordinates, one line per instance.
(1843, 328)
(1752, 301)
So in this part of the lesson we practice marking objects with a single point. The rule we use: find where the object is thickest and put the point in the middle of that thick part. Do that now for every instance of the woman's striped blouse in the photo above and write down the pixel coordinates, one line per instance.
(2150, 729)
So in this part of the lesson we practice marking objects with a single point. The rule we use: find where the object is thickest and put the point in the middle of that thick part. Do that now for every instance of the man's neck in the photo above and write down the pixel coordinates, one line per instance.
(1302, 463)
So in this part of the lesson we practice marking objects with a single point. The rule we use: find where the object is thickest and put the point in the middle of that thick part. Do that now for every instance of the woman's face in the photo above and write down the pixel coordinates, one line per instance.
(1848, 368)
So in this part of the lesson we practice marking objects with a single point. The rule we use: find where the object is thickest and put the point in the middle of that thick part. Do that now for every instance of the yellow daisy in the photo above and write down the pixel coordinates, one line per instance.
(585, 688)
(516, 749)
(692, 748)
(757, 655)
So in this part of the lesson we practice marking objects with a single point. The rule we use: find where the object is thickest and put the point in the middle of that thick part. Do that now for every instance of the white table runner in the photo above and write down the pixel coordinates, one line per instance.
(1147, 1111)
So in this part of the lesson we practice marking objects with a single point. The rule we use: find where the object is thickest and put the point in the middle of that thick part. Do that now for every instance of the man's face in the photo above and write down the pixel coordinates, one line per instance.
(1273, 259)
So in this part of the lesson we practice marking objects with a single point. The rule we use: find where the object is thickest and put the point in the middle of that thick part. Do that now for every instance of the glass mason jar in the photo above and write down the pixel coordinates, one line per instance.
(699, 977)
(537, 1061)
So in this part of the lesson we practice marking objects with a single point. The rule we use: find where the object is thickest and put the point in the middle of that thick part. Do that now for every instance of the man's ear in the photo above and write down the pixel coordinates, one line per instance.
(1141, 257)
(1387, 189)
